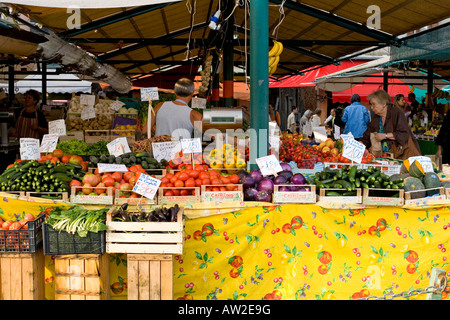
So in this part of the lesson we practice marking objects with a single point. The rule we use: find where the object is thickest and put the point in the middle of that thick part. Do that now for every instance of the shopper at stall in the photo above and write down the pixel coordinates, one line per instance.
(291, 120)
(274, 115)
(356, 117)
(316, 121)
(330, 120)
(388, 129)
(305, 124)
(443, 140)
(414, 103)
(176, 118)
(30, 121)
(400, 102)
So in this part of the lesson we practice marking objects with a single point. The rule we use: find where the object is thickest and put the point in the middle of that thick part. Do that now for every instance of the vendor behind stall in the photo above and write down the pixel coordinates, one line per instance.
(30, 121)
(176, 118)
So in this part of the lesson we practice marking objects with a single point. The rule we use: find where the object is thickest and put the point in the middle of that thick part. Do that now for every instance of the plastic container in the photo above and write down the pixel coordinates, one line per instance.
(22, 240)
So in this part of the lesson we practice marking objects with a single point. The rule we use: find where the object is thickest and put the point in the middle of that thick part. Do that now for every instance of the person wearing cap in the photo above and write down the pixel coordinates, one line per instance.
(356, 117)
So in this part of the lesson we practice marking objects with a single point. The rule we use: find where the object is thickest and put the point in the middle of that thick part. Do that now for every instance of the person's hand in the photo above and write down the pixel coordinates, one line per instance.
(380, 136)
(438, 152)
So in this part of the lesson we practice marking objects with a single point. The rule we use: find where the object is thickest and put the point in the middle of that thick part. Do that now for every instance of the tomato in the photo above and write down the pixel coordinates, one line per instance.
(170, 185)
(206, 181)
(189, 183)
(198, 182)
(168, 193)
(15, 226)
(173, 179)
(117, 176)
(168, 175)
(165, 180)
(163, 185)
(194, 174)
(215, 189)
(183, 176)
(179, 184)
(216, 181)
(222, 188)
(203, 175)
(230, 187)
(234, 178)
(214, 173)
(225, 180)
(74, 183)
(208, 189)
(184, 192)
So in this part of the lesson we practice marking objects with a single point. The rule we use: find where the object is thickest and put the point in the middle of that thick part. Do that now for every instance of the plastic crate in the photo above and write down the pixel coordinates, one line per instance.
(23, 240)
(61, 242)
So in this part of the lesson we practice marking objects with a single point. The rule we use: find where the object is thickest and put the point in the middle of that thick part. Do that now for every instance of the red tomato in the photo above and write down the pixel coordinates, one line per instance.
(206, 181)
(234, 178)
(194, 174)
(189, 183)
(215, 189)
(216, 181)
(165, 180)
(198, 182)
(168, 193)
(183, 176)
(178, 184)
(203, 175)
(176, 192)
(225, 180)
(222, 188)
(184, 192)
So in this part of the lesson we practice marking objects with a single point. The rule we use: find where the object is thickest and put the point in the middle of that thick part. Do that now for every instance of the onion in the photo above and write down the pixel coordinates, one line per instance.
(284, 189)
(286, 166)
(280, 180)
(298, 179)
(295, 188)
(250, 194)
(265, 184)
(256, 175)
(247, 182)
(263, 196)
(287, 174)
(243, 173)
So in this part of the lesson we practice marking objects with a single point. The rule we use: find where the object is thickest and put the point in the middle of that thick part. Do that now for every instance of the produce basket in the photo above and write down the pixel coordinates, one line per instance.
(90, 198)
(306, 163)
(164, 197)
(222, 193)
(297, 194)
(424, 196)
(383, 197)
(144, 236)
(388, 169)
(23, 240)
(61, 242)
(121, 198)
(331, 195)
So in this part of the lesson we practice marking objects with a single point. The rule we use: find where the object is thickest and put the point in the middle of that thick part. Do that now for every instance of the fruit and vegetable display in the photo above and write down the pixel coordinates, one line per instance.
(77, 220)
(228, 158)
(82, 148)
(162, 214)
(40, 176)
(260, 188)
(14, 234)
(101, 107)
(129, 159)
(145, 145)
(100, 122)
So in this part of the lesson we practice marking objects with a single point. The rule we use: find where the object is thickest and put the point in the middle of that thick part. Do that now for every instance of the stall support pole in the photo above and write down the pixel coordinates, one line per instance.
(259, 80)
(385, 81)
(429, 102)
(228, 58)
(215, 96)
(11, 81)
(44, 83)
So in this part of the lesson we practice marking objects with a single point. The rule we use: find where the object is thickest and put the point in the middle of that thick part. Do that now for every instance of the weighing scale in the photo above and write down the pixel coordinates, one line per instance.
(222, 119)
(5, 118)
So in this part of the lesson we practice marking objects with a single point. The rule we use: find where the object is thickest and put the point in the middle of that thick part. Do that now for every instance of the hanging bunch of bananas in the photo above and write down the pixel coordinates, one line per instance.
(440, 94)
(274, 56)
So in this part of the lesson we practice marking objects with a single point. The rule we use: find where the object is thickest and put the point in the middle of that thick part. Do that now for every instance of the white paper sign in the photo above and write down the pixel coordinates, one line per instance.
(118, 146)
(87, 113)
(57, 127)
(29, 149)
(149, 94)
(198, 103)
(87, 99)
(274, 141)
(165, 150)
(111, 167)
(49, 142)
(189, 146)
(320, 133)
(353, 150)
(347, 136)
(116, 105)
(268, 165)
(147, 186)
(426, 163)
(337, 132)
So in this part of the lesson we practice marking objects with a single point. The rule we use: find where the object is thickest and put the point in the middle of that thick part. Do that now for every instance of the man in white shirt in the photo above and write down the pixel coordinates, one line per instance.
(291, 120)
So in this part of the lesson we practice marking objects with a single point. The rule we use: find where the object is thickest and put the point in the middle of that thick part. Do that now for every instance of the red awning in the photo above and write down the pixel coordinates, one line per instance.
(307, 79)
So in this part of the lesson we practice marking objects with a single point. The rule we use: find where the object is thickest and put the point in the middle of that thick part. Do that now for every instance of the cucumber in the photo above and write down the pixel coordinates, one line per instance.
(332, 194)
(349, 193)
(61, 176)
(352, 174)
(143, 154)
(345, 184)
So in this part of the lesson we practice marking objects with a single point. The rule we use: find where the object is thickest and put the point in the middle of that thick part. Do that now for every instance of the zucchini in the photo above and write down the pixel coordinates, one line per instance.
(332, 194)
(345, 184)
(352, 174)
(373, 176)
(142, 154)
(61, 176)
(349, 193)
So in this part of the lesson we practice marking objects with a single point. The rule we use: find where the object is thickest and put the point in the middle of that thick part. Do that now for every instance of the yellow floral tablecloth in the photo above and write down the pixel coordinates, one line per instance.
(265, 251)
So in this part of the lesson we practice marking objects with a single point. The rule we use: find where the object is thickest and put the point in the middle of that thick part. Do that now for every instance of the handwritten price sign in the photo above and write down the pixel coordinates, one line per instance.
(87, 99)
(353, 150)
(165, 150)
(118, 146)
(87, 113)
(29, 149)
(116, 105)
(49, 142)
(149, 94)
(189, 146)
(269, 165)
(111, 167)
(147, 186)
(426, 163)
(57, 127)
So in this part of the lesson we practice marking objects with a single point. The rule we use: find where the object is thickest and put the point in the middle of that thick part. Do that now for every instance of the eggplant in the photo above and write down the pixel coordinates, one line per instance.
(160, 215)
(175, 210)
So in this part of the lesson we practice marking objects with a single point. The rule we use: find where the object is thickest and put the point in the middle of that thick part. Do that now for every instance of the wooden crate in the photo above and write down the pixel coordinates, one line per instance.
(145, 237)
(221, 196)
(411, 196)
(129, 134)
(132, 201)
(150, 276)
(341, 199)
(294, 196)
(93, 136)
(22, 276)
(162, 199)
(369, 199)
(91, 199)
(72, 135)
(82, 277)
(64, 195)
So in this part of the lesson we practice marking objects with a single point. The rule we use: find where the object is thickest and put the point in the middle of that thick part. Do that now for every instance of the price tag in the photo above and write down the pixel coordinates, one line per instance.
(320, 133)
(87, 99)
(149, 94)
(147, 186)
(29, 149)
(353, 150)
(111, 167)
(49, 142)
(118, 146)
(87, 113)
(57, 127)
(198, 103)
(165, 150)
(347, 136)
(269, 165)
(189, 146)
(426, 163)
(116, 105)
